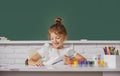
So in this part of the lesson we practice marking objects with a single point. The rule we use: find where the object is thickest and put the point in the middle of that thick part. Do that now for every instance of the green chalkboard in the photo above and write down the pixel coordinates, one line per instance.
(84, 19)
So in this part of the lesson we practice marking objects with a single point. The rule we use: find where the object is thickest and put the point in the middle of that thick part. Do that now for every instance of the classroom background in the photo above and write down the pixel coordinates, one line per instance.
(84, 19)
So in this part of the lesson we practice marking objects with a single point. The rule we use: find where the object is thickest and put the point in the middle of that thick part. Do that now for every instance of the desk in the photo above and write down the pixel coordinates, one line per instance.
(11, 67)
(64, 70)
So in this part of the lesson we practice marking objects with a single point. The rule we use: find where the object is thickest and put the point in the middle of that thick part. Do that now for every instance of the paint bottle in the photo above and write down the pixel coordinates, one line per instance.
(75, 63)
(70, 63)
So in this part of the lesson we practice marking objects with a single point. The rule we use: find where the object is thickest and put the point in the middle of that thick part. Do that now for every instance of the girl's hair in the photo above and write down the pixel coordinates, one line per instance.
(58, 28)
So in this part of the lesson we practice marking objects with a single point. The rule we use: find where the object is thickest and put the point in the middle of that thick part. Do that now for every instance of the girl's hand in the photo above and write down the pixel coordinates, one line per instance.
(66, 59)
(79, 57)
(39, 64)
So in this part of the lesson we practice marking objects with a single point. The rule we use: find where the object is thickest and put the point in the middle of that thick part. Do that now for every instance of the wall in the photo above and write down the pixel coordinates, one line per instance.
(13, 53)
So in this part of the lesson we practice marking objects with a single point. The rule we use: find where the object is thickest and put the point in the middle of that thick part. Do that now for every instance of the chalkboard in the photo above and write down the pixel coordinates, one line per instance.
(84, 19)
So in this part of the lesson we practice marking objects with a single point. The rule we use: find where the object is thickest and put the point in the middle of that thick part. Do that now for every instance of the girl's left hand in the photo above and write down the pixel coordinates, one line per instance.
(66, 59)
(39, 64)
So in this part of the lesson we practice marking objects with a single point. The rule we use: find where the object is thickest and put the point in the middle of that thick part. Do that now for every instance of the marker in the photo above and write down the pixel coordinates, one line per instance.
(57, 62)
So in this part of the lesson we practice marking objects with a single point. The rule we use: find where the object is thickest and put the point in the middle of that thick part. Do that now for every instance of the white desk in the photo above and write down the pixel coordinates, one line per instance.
(22, 70)
(61, 70)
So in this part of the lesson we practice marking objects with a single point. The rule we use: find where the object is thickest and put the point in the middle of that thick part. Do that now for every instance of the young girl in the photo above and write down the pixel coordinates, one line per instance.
(54, 52)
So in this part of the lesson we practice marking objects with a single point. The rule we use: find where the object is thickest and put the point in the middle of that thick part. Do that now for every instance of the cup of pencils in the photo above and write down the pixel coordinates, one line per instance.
(111, 51)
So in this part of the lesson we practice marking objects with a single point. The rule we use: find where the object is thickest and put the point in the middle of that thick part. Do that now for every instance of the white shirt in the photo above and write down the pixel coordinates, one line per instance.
(51, 55)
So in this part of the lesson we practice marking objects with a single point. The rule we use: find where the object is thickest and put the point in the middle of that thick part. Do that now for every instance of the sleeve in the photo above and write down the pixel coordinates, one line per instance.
(44, 50)
(70, 52)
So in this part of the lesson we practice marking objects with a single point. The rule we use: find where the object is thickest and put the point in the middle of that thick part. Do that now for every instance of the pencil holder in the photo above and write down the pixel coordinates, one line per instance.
(112, 61)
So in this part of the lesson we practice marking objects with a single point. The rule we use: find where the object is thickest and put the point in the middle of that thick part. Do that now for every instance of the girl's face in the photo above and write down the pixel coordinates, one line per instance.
(57, 40)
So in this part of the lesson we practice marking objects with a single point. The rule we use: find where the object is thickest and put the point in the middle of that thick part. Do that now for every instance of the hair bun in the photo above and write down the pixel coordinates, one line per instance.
(58, 20)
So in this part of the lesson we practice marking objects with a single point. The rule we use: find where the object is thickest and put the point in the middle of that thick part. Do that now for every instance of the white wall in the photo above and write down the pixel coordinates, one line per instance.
(17, 53)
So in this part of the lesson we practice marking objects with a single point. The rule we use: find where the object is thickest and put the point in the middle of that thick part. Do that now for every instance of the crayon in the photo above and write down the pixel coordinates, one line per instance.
(108, 50)
(105, 51)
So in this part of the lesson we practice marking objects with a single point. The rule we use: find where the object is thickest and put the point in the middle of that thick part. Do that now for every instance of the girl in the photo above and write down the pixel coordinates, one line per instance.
(54, 52)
